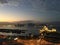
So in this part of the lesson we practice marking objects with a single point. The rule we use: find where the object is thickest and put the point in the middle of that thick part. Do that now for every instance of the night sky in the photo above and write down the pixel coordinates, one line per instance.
(39, 10)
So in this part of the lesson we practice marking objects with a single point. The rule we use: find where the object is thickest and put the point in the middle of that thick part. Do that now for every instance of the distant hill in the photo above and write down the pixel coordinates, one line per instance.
(26, 21)
(30, 21)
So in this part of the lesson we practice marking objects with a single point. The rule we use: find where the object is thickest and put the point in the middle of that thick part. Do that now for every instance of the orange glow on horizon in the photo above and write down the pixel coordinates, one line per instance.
(8, 20)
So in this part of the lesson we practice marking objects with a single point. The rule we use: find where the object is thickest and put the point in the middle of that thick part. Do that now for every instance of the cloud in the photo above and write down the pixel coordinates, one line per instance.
(3, 1)
(36, 4)
(10, 2)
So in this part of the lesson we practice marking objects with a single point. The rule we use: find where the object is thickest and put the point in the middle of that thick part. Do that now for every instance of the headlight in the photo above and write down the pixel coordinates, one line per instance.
(15, 38)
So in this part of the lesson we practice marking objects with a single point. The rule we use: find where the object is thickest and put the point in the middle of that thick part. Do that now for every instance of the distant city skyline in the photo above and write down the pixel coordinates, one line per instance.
(20, 10)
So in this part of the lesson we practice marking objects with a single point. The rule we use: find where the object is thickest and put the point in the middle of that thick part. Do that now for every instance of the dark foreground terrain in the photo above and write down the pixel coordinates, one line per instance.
(49, 39)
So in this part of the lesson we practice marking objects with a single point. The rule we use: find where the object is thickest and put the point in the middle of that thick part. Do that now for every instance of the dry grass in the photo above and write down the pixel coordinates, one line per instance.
(35, 42)
(30, 42)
